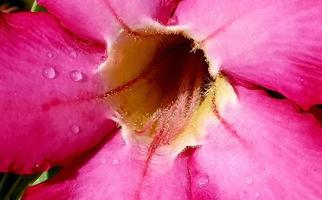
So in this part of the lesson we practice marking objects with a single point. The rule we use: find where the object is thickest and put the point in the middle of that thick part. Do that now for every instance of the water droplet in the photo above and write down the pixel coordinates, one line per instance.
(50, 55)
(302, 80)
(75, 129)
(76, 75)
(203, 181)
(36, 165)
(115, 162)
(249, 180)
(49, 73)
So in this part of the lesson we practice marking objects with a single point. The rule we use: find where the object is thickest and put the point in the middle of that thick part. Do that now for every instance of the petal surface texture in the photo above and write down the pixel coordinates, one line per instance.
(276, 44)
(109, 16)
(262, 148)
(47, 78)
(114, 172)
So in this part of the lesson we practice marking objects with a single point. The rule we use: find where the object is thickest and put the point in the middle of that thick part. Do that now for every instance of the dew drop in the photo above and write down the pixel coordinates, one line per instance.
(75, 129)
(249, 180)
(49, 73)
(50, 55)
(36, 165)
(203, 181)
(76, 75)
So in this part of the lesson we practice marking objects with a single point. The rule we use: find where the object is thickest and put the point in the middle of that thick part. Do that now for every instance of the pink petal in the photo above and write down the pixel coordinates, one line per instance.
(277, 44)
(102, 19)
(46, 76)
(262, 149)
(114, 172)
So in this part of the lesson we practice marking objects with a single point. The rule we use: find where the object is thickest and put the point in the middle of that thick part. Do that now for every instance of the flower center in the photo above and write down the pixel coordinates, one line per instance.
(159, 87)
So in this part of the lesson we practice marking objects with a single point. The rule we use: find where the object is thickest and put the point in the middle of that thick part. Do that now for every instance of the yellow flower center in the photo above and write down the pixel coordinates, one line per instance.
(159, 89)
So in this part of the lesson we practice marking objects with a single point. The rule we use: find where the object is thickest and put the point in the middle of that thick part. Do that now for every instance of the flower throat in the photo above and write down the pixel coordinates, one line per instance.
(156, 84)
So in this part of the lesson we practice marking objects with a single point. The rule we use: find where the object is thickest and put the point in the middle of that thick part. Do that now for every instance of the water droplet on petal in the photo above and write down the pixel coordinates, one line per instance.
(49, 73)
(36, 165)
(249, 180)
(50, 55)
(203, 181)
(75, 129)
(76, 75)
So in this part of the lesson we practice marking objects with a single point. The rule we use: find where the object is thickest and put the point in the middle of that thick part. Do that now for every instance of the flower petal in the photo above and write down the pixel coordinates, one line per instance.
(113, 171)
(101, 19)
(46, 82)
(276, 44)
(262, 148)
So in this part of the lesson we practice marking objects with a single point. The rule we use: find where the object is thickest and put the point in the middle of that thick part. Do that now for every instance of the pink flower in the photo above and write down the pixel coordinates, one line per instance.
(190, 129)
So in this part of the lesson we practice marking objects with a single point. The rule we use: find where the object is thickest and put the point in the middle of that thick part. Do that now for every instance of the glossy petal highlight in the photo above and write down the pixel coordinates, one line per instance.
(46, 84)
